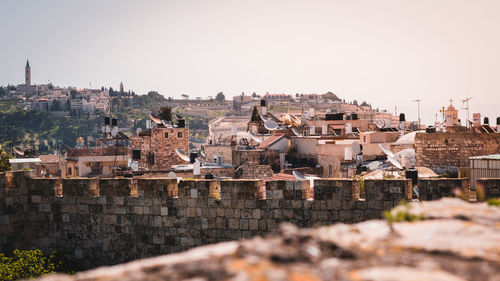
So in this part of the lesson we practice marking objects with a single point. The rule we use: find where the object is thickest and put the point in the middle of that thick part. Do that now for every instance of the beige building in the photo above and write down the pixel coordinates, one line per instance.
(96, 161)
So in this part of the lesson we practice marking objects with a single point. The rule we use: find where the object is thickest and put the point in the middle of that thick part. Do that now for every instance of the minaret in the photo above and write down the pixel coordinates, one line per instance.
(27, 74)
(121, 87)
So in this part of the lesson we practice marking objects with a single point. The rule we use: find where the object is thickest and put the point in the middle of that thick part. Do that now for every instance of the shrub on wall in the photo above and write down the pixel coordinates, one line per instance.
(27, 264)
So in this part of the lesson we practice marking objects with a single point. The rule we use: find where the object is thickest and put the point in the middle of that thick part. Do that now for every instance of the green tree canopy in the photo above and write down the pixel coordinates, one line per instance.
(165, 113)
(220, 97)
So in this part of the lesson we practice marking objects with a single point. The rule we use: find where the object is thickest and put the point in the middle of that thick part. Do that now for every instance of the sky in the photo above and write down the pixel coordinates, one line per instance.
(387, 52)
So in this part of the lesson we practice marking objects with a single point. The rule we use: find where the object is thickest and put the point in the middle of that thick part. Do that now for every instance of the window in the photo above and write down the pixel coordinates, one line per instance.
(364, 139)
(330, 170)
(179, 135)
(136, 154)
(151, 158)
(69, 171)
(166, 135)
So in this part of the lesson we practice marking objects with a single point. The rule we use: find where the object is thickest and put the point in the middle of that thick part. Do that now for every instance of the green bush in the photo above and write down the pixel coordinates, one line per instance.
(28, 264)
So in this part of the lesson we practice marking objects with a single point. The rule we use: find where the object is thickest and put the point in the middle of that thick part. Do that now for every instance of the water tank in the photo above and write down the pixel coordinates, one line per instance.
(181, 123)
(263, 102)
(106, 120)
(412, 174)
(209, 176)
(402, 117)
(430, 130)
(498, 121)
(192, 157)
(114, 122)
(486, 121)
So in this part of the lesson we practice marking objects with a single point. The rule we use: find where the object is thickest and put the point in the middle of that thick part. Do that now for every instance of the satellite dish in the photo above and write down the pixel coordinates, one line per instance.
(18, 151)
(264, 118)
(234, 130)
(182, 155)
(154, 119)
(138, 131)
(356, 148)
(298, 175)
(395, 162)
(114, 131)
(171, 175)
(254, 137)
(271, 125)
(385, 150)
(296, 131)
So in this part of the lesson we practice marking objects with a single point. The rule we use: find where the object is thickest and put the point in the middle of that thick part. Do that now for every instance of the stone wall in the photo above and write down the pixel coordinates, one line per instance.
(488, 188)
(107, 221)
(445, 153)
(252, 170)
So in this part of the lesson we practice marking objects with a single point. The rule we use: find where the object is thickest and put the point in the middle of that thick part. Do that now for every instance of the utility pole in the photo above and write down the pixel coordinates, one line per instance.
(418, 110)
(466, 101)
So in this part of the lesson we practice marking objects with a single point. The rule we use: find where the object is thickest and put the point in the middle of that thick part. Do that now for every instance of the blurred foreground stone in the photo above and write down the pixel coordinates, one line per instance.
(454, 240)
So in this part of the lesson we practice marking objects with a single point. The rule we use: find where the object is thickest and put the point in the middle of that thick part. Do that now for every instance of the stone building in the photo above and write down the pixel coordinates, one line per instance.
(154, 149)
(446, 153)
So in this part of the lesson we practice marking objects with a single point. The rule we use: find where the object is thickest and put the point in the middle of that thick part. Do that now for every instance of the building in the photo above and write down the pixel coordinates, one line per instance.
(155, 148)
(487, 166)
(96, 161)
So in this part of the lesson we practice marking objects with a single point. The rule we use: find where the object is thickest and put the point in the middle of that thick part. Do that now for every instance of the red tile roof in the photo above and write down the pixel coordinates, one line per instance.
(267, 143)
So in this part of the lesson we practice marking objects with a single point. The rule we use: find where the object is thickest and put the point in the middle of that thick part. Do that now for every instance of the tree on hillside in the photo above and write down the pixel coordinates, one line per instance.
(68, 105)
(330, 96)
(4, 161)
(220, 97)
(185, 96)
(56, 105)
(165, 113)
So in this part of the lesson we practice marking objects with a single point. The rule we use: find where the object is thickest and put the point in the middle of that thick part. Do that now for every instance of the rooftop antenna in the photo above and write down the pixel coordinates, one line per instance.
(466, 101)
(418, 110)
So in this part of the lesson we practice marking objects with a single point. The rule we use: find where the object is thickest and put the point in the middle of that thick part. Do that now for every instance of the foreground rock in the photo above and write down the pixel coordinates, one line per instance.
(452, 240)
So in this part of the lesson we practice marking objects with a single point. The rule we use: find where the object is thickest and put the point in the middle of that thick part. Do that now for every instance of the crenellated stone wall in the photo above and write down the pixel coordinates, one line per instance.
(108, 221)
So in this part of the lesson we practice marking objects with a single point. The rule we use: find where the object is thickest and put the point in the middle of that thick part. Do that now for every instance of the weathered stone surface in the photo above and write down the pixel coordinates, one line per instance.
(456, 241)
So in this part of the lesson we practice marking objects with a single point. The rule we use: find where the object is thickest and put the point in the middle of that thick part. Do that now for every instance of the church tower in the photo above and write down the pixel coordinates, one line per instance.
(27, 74)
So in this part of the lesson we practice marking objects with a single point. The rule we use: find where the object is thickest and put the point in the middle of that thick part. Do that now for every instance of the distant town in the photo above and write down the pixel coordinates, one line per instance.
(268, 136)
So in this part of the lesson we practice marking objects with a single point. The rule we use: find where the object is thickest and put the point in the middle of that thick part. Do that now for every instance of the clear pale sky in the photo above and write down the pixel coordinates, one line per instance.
(386, 52)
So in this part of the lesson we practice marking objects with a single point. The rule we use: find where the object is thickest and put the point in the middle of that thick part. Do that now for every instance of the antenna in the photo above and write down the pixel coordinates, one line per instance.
(466, 101)
(418, 110)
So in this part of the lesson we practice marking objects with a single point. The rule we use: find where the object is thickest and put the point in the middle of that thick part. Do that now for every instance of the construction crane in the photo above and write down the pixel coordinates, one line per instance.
(466, 101)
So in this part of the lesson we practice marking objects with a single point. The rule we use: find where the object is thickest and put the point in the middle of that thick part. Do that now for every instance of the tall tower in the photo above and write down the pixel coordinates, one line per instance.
(121, 87)
(27, 74)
